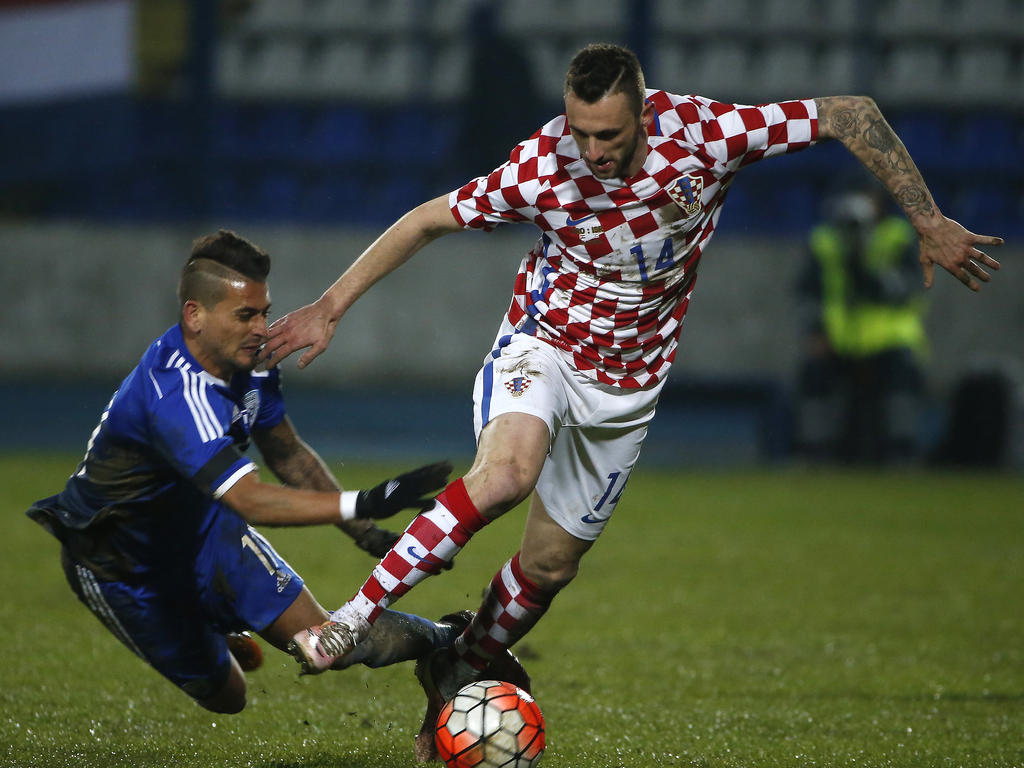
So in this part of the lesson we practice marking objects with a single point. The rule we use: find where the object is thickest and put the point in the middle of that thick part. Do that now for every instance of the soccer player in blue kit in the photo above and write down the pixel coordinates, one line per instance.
(156, 522)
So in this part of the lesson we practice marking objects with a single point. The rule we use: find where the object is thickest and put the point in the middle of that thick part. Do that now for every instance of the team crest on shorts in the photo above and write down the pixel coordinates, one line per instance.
(517, 385)
(685, 192)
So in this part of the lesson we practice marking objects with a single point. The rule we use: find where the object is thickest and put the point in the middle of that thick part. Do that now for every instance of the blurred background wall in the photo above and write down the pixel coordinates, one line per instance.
(129, 127)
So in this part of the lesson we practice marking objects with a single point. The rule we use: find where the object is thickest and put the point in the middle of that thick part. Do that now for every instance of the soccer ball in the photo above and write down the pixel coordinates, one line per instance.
(490, 724)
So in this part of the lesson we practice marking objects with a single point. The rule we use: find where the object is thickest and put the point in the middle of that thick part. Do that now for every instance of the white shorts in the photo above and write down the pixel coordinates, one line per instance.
(596, 430)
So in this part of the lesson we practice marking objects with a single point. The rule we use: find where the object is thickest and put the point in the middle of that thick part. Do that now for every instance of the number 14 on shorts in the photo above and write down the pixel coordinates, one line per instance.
(607, 498)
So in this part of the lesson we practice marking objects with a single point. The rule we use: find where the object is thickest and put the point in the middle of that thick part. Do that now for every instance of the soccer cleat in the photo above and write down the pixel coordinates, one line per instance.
(245, 649)
(438, 675)
(424, 747)
(318, 648)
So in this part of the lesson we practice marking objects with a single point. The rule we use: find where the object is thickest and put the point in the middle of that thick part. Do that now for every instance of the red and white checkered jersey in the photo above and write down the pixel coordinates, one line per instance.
(610, 279)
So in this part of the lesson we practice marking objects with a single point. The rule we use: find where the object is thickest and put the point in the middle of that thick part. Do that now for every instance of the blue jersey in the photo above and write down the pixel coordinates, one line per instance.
(170, 441)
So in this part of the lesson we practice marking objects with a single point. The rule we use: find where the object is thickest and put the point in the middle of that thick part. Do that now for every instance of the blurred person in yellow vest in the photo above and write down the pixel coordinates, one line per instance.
(861, 383)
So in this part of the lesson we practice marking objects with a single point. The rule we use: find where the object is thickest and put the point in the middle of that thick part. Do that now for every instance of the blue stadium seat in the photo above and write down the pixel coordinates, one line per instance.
(769, 197)
(337, 134)
(990, 208)
(328, 198)
(990, 142)
(927, 138)
(230, 132)
(259, 132)
(279, 130)
(149, 198)
(782, 204)
(420, 137)
(392, 197)
(229, 196)
(740, 213)
(164, 126)
(278, 196)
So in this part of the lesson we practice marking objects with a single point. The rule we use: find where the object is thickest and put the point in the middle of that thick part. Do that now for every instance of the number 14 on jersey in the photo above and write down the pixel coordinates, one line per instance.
(666, 258)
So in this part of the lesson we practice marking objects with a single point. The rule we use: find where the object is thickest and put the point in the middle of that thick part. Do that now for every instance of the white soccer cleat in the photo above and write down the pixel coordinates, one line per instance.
(318, 648)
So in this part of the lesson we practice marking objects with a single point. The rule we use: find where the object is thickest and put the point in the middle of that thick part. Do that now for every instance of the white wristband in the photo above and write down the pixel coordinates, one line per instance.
(347, 505)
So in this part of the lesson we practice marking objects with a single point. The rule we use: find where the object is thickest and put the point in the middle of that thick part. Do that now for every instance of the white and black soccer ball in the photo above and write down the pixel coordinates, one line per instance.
(490, 724)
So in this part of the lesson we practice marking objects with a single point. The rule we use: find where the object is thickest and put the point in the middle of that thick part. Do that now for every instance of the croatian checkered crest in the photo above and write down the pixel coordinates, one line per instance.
(490, 724)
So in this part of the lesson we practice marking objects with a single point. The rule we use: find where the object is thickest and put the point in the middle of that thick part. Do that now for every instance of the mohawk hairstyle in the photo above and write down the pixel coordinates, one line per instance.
(214, 260)
(234, 252)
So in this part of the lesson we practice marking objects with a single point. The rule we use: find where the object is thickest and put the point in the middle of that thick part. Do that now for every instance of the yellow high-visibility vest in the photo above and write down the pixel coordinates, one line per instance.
(861, 328)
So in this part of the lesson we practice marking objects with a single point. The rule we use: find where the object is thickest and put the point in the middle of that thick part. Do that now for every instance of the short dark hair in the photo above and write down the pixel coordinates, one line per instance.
(235, 252)
(214, 260)
(601, 69)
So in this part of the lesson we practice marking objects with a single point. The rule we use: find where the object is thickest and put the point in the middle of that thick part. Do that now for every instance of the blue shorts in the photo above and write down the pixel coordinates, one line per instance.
(176, 620)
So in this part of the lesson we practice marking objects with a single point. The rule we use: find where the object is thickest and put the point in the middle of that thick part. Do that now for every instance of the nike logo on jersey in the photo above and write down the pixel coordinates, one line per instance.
(571, 222)
(413, 553)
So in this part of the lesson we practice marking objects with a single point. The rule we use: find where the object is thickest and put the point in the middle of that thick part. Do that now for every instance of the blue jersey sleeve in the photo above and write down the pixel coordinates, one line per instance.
(272, 409)
(189, 425)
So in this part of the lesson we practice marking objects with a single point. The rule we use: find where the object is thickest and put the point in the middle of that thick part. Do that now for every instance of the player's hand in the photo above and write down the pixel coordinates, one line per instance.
(410, 490)
(377, 541)
(309, 326)
(955, 249)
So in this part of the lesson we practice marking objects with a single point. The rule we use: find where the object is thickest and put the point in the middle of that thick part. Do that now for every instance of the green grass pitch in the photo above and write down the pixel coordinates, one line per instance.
(724, 619)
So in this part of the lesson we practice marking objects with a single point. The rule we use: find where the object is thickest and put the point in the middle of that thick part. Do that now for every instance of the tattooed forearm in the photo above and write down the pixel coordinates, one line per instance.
(858, 124)
(840, 122)
(291, 460)
(914, 199)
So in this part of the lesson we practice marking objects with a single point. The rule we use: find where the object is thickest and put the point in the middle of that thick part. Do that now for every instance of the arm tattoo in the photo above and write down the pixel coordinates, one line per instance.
(914, 198)
(272, 447)
(291, 460)
(879, 135)
(843, 123)
(858, 124)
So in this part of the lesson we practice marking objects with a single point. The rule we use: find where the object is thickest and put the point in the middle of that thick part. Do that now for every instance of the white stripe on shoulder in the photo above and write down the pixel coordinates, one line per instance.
(200, 416)
(194, 389)
(204, 381)
(196, 418)
(159, 392)
(233, 478)
(199, 385)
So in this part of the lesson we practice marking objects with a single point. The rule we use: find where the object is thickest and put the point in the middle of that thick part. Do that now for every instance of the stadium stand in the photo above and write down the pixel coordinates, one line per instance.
(304, 90)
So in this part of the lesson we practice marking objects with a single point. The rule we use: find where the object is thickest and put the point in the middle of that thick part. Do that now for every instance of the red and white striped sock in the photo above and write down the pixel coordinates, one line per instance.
(432, 539)
(512, 605)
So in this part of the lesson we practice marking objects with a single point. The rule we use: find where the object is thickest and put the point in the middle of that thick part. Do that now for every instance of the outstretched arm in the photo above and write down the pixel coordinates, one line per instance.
(311, 494)
(313, 326)
(857, 122)
(297, 465)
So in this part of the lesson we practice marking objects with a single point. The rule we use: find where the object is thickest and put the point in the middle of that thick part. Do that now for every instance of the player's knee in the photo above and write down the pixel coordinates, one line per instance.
(225, 707)
(229, 700)
(497, 487)
(550, 574)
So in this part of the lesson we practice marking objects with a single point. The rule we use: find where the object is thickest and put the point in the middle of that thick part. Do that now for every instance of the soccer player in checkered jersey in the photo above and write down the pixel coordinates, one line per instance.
(156, 522)
(626, 188)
